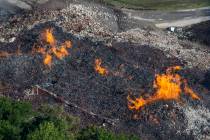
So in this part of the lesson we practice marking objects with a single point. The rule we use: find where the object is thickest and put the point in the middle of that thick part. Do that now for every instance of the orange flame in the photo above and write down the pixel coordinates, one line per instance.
(67, 44)
(47, 35)
(102, 71)
(58, 51)
(168, 87)
(48, 60)
(62, 51)
(48, 52)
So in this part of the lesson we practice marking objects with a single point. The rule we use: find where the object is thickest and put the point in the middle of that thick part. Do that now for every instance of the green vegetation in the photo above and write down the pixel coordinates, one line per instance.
(94, 133)
(18, 121)
(159, 4)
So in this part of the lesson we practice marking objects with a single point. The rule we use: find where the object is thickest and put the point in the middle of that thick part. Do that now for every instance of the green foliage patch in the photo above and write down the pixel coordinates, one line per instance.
(18, 121)
(94, 133)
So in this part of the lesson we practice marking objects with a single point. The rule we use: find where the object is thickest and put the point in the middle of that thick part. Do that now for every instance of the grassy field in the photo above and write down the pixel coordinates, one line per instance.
(159, 4)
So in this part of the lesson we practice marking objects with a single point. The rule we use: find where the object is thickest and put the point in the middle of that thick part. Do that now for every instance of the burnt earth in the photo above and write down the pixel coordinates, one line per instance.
(131, 67)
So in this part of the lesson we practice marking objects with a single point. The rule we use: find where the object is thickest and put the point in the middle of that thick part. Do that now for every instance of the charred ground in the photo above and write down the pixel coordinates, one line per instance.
(132, 67)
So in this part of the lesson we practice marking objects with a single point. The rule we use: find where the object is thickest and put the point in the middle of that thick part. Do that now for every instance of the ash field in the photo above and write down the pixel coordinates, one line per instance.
(107, 69)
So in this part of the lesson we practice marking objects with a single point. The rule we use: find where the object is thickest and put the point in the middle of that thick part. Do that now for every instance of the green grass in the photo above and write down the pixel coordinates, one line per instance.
(159, 4)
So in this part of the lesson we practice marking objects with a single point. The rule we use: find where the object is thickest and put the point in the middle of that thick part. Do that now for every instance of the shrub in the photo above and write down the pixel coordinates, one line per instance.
(19, 122)
(47, 131)
(94, 133)
(12, 116)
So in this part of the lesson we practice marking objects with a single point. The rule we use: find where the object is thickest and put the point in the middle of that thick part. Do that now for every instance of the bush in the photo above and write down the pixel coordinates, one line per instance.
(94, 133)
(19, 122)
(47, 131)
(12, 116)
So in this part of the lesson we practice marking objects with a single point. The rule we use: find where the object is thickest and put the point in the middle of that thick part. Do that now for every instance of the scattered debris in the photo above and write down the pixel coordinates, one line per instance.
(197, 121)
(39, 90)
(93, 67)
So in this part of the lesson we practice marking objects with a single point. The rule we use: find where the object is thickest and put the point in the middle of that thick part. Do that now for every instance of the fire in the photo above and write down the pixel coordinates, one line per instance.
(47, 35)
(53, 49)
(48, 60)
(62, 51)
(67, 44)
(99, 69)
(168, 86)
(58, 51)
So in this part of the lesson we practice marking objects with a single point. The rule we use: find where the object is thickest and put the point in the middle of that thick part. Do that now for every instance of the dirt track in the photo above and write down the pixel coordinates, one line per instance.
(164, 19)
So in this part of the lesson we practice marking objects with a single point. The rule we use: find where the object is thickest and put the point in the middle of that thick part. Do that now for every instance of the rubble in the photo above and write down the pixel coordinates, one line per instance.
(197, 121)
(104, 65)
(100, 24)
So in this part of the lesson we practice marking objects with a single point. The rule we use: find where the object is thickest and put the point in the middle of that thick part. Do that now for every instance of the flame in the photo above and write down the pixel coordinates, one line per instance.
(47, 35)
(48, 60)
(68, 44)
(53, 49)
(190, 92)
(40, 50)
(62, 51)
(168, 87)
(102, 71)
(58, 51)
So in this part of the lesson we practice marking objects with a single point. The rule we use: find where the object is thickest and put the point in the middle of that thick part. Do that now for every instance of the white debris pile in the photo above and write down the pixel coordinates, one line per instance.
(198, 121)
(85, 20)
(88, 21)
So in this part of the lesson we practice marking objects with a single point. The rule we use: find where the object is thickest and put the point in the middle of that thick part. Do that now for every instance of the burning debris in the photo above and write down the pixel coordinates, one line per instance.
(168, 87)
(120, 69)
(58, 51)
(47, 38)
(97, 78)
(99, 69)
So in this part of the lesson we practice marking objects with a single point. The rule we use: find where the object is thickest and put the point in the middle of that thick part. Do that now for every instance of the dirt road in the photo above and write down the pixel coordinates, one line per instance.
(164, 19)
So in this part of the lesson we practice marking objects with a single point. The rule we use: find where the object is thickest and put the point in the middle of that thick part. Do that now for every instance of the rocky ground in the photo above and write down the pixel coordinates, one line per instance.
(131, 48)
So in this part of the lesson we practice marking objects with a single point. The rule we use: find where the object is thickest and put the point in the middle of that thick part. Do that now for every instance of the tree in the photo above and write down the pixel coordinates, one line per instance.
(47, 131)
(19, 122)
(95, 133)
(12, 116)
